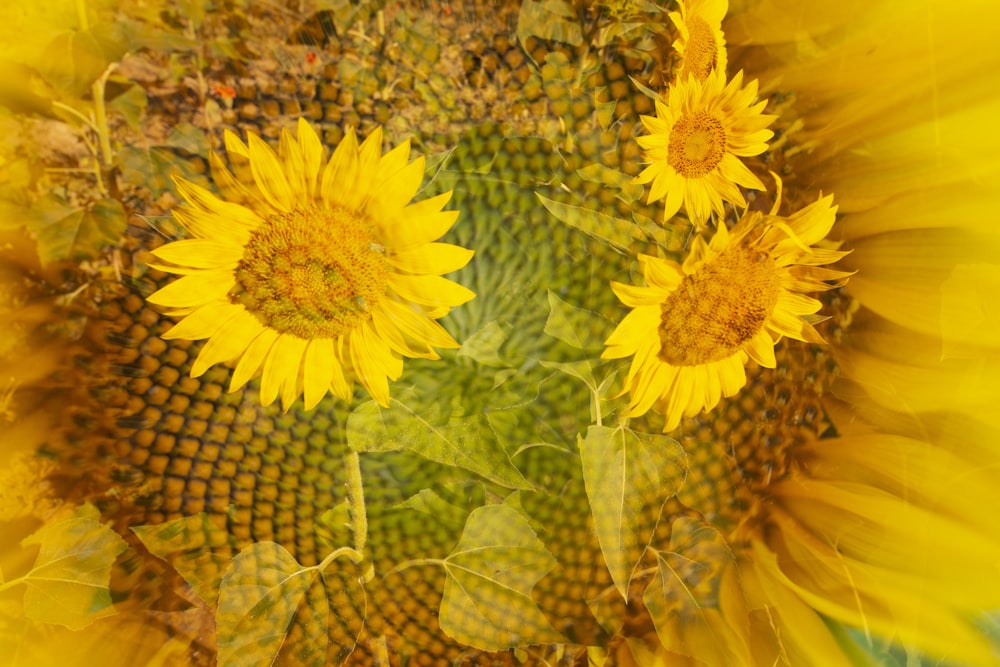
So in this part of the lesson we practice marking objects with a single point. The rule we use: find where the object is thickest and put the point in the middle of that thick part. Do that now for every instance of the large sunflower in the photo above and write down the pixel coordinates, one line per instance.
(694, 327)
(852, 486)
(695, 141)
(321, 275)
(700, 42)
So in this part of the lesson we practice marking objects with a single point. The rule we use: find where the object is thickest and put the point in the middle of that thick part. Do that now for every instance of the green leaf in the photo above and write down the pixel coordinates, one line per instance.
(82, 233)
(577, 327)
(648, 92)
(552, 20)
(334, 526)
(466, 442)
(196, 546)
(73, 61)
(483, 346)
(68, 583)
(433, 166)
(685, 598)
(272, 610)
(23, 90)
(13, 215)
(188, 137)
(429, 502)
(615, 232)
(26, 28)
(628, 477)
(131, 105)
(487, 600)
(629, 190)
(581, 370)
(153, 167)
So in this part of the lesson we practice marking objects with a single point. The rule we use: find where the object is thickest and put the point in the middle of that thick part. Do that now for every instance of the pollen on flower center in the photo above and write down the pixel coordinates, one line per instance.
(696, 144)
(312, 273)
(719, 308)
(701, 53)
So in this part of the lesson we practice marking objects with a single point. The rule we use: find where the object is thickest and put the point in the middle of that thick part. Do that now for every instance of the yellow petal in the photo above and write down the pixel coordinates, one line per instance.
(400, 188)
(312, 156)
(431, 258)
(317, 371)
(293, 165)
(392, 162)
(224, 216)
(194, 290)
(662, 273)
(761, 349)
(282, 367)
(230, 342)
(235, 145)
(341, 171)
(413, 323)
(363, 357)
(232, 189)
(200, 253)
(339, 384)
(269, 175)
(635, 296)
(202, 322)
(251, 361)
(429, 290)
(388, 331)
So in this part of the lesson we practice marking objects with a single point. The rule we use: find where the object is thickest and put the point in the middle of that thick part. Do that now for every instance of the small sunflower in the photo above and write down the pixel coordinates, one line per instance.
(693, 327)
(695, 141)
(321, 275)
(700, 42)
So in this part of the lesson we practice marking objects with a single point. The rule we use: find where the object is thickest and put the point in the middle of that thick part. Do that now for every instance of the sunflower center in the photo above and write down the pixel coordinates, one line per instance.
(719, 308)
(312, 273)
(696, 144)
(701, 53)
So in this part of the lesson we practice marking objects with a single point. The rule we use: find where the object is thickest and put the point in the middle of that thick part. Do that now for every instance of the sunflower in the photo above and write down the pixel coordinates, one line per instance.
(884, 523)
(845, 496)
(323, 275)
(700, 42)
(695, 141)
(694, 327)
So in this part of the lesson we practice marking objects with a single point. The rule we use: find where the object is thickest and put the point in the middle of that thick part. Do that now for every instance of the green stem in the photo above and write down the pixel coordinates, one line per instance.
(100, 124)
(76, 114)
(101, 117)
(355, 556)
(356, 502)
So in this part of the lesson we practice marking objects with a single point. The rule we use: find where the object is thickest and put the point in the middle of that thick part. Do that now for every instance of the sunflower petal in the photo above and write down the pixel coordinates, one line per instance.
(253, 358)
(431, 258)
(232, 339)
(194, 290)
(269, 175)
(429, 290)
(200, 253)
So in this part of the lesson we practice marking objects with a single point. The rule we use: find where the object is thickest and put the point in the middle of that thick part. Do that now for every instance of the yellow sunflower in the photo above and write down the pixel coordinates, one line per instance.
(888, 525)
(694, 327)
(322, 275)
(695, 141)
(700, 41)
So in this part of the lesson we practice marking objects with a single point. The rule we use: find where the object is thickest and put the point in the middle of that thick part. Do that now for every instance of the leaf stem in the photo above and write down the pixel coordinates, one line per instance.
(356, 502)
(76, 114)
(11, 583)
(100, 123)
(101, 117)
(355, 556)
